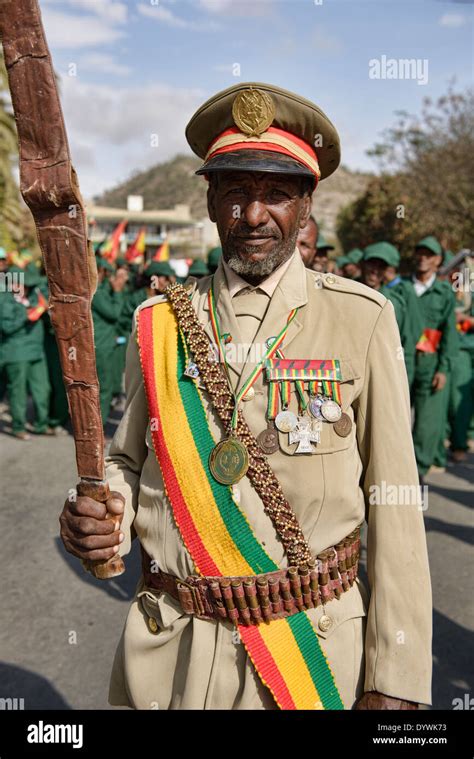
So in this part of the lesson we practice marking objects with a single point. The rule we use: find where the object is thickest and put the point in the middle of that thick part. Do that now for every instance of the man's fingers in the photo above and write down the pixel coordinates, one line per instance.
(93, 542)
(115, 504)
(99, 554)
(87, 507)
(90, 526)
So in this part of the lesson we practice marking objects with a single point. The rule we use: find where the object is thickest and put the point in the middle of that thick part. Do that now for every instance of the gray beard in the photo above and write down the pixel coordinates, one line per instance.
(259, 270)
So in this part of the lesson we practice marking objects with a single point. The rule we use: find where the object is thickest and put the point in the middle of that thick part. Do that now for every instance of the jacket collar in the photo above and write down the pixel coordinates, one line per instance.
(290, 293)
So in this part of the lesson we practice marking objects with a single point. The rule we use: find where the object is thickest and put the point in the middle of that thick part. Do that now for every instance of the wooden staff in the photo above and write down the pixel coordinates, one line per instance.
(49, 186)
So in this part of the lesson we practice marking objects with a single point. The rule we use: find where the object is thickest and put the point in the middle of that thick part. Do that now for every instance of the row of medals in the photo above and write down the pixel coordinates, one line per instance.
(229, 458)
(305, 429)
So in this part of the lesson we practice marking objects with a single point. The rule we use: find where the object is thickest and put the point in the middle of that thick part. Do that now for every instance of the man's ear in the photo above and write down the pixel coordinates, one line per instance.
(211, 197)
(305, 210)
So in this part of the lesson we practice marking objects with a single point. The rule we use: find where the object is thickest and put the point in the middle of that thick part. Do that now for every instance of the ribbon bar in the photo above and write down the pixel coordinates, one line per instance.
(277, 369)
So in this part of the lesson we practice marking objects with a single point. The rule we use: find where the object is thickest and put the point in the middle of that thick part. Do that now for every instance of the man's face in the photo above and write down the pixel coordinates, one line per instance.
(258, 217)
(320, 261)
(306, 242)
(372, 272)
(426, 261)
(351, 271)
(159, 283)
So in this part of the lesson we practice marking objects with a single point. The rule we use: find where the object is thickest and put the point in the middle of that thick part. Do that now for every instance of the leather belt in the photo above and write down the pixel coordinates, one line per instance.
(260, 598)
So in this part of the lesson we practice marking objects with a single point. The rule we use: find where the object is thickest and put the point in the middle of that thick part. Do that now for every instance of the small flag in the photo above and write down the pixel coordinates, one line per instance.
(137, 248)
(162, 253)
(110, 249)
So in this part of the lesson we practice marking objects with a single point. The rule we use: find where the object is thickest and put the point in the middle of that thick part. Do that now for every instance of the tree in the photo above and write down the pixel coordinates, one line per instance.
(426, 181)
(16, 226)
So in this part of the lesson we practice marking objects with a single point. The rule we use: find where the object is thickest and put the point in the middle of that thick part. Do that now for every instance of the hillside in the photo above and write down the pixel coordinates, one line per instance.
(167, 184)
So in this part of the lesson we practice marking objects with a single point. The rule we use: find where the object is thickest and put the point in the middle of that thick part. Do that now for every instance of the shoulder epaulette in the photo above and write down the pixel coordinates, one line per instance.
(346, 285)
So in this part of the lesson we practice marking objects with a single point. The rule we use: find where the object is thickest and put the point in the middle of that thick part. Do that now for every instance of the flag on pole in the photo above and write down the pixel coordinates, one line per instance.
(162, 253)
(137, 249)
(110, 249)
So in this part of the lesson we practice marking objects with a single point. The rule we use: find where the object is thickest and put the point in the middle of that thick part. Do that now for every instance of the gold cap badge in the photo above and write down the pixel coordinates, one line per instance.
(253, 111)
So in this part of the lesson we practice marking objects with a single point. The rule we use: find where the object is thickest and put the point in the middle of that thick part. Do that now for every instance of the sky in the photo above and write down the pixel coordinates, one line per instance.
(133, 73)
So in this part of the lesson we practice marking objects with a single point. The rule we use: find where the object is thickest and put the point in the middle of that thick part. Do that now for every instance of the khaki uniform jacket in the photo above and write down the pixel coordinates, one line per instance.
(380, 638)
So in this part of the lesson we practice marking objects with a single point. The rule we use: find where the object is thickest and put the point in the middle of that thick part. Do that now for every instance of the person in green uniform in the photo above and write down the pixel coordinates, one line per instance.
(461, 395)
(377, 258)
(23, 347)
(213, 258)
(340, 263)
(3, 289)
(435, 352)
(321, 259)
(157, 276)
(58, 404)
(351, 268)
(198, 269)
(124, 325)
(107, 305)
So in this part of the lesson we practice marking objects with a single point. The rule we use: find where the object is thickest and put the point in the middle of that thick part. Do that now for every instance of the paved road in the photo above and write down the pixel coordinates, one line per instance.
(47, 601)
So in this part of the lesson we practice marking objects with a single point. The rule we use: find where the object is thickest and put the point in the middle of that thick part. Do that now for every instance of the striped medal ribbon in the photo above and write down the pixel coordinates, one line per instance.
(229, 458)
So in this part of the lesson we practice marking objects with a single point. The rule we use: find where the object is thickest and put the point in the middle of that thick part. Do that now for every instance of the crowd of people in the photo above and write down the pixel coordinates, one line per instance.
(433, 305)
(434, 308)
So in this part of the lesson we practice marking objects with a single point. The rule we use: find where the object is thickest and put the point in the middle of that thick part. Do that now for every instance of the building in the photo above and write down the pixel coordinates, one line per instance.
(187, 237)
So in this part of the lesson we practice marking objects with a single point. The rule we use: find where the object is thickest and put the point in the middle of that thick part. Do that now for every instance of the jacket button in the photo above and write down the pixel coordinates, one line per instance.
(330, 279)
(249, 395)
(324, 623)
(152, 625)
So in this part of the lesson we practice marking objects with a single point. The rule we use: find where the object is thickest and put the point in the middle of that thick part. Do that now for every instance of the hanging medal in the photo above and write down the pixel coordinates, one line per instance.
(268, 438)
(229, 459)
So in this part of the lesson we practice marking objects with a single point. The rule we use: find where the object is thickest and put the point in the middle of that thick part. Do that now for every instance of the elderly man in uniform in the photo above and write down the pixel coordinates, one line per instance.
(267, 415)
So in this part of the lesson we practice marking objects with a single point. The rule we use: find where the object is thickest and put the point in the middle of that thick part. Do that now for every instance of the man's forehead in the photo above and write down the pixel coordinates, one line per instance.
(258, 176)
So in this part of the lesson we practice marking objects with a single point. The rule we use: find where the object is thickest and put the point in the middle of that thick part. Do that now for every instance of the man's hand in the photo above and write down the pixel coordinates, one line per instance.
(439, 381)
(375, 700)
(86, 532)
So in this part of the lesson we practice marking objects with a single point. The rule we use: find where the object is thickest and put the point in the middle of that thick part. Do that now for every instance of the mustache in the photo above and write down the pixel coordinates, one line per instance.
(246, 231)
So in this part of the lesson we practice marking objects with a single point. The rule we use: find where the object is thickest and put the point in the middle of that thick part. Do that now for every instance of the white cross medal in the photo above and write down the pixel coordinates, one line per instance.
(305, 433)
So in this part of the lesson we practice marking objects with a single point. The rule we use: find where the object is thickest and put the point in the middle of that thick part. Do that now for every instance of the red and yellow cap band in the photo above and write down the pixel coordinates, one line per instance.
(273, 139)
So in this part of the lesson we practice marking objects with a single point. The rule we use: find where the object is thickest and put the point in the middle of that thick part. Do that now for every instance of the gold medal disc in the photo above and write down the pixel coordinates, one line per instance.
(229, 461)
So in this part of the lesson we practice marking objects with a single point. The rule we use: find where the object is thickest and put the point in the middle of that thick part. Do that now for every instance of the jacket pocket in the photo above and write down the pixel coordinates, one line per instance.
(162, 608)
(351, 605)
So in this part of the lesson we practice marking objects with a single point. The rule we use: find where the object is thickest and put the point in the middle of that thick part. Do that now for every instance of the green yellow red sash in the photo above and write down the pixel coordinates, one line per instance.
(285, 652)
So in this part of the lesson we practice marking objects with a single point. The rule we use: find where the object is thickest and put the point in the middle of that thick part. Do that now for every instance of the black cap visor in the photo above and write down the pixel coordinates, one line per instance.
(256, 160)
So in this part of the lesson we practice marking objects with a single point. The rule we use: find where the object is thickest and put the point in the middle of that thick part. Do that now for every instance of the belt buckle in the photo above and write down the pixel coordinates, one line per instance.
(197, 600)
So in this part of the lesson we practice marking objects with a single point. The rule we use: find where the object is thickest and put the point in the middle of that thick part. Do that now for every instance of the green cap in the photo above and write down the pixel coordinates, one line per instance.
(32, 275)
(355, 255)
(342, 261)
(432, 244)
(323, 244)
(249, 109)
(385, 251)
(3, 253)
(213, 258)
(198, 268)
(159, 269)
(102, 263)
(121, 262)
